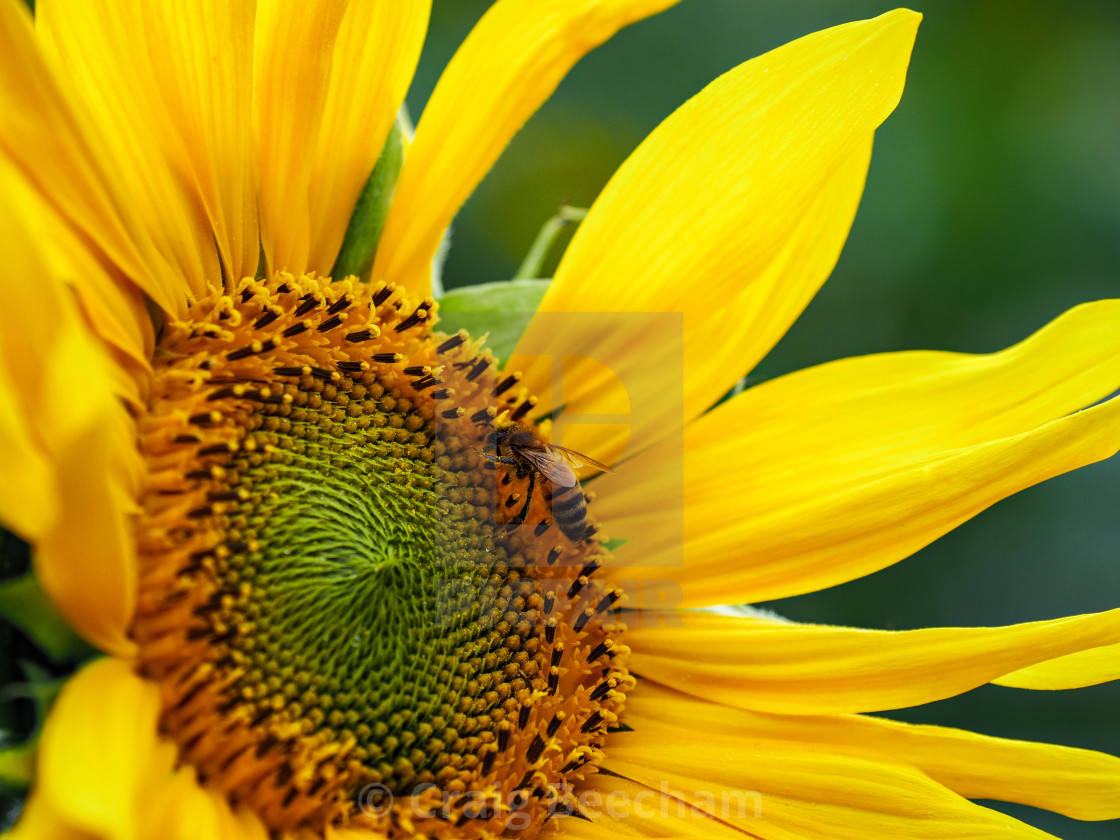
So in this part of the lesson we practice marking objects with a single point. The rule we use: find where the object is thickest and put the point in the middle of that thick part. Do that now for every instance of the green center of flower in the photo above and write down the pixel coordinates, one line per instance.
(350, 622)
(360, 533)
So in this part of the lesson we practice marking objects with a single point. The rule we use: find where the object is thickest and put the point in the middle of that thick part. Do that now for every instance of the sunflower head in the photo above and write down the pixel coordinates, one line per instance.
(354, 616)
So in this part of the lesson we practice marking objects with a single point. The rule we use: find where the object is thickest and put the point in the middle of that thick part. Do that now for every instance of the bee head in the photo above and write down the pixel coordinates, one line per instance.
(499, 435)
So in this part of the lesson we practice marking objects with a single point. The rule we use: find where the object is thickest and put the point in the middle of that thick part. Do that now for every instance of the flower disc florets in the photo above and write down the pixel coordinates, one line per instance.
(347, 621)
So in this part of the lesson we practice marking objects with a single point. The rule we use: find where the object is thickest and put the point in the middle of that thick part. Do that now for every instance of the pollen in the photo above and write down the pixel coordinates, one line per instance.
(355, 618)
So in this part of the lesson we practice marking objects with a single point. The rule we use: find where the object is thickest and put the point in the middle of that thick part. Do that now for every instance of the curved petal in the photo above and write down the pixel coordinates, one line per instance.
(642, 368)
(292, 66)
(113, 308)
(779, 792)
(806, 669)
(577, 828)
(105, 772)
(612, 806)
(86, 563)
(185, 810)
(1079, 783)
(104, 56)
(374, 59)
(201, 57)
(732, 212)
(73, 437)
(834, 472)
(36, 822)
(100, 752)
(508, 66)
(28, 503)
(63, 153)
(1087, 667)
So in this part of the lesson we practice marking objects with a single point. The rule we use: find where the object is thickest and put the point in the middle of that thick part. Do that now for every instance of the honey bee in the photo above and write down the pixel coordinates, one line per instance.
(529, 455)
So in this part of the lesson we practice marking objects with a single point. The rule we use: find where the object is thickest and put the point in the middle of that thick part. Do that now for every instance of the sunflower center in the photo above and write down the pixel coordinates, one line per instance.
(355, 617)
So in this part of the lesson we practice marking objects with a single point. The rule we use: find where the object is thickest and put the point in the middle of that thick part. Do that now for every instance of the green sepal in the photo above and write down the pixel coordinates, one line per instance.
(355, 257)
(542, 246)
(262, 264)
(502, 309)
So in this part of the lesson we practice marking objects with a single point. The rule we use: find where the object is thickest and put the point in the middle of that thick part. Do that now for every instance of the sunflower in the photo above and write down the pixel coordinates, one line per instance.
(345, 578)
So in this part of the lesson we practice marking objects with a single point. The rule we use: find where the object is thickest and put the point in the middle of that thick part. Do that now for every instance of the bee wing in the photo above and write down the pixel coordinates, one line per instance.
(558, 472)
(578, 459)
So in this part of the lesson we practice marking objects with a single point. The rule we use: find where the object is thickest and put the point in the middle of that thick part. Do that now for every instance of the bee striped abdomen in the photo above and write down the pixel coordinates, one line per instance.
(569, 511)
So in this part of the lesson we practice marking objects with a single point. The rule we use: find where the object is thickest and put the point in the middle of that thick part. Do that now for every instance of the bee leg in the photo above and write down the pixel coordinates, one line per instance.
(521, 514)
(498, 459)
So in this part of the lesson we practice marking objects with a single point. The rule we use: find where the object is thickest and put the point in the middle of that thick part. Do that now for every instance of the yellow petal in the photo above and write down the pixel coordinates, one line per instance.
(509, 64)
(28, 503)
(201, 57)
(575, 828)
(70, 165)
(182, 809)
(374, 59)
(1087, 667)
(101, 55)
(100, 754)
(806, 669)
(635, 355)
(293, 60)
(613, 806)
(781, 792)
(62, 390)
(37, 822)
(86, 563)
(732, 212)
(834, 472)
(1079, 783)
(104, 771)
(114, 308)
(241, 823)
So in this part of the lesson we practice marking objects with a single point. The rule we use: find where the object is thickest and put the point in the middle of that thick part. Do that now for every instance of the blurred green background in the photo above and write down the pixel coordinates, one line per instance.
(992, 205)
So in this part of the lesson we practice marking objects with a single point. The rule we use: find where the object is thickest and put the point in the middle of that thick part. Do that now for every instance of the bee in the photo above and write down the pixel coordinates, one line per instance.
(529, 455)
